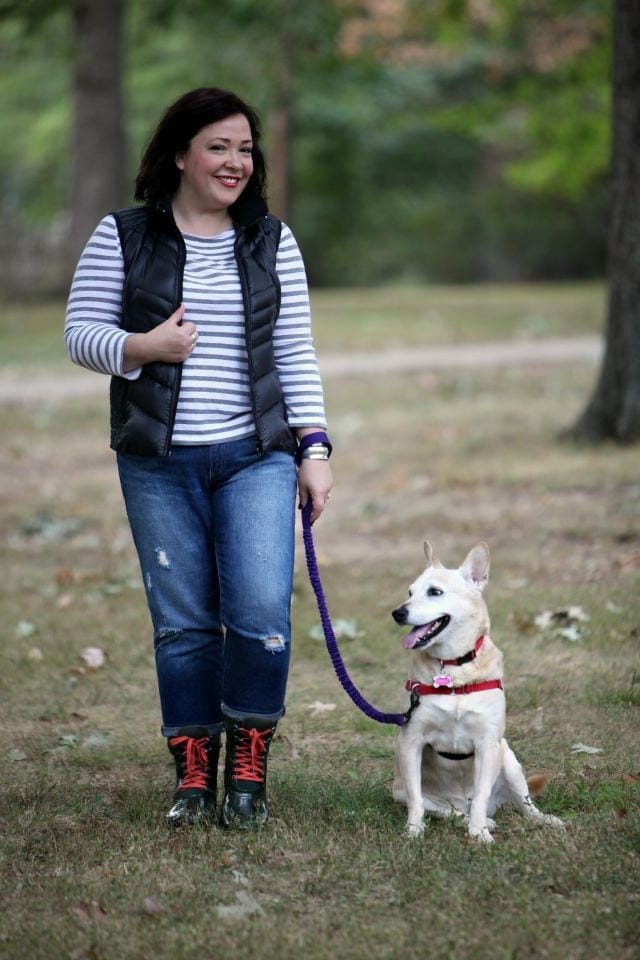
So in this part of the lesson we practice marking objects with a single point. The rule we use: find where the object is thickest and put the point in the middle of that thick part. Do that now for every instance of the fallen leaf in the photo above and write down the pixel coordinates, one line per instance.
(245, 907)
(24, 629)
(347, 629)
(89, 912)
(68, 740)
(94, 657)
(35, 654)
(570, 633)
(317, 708)
(240, 878)
(561, 617)
(631, 777)
(16, 755)
(151, 907)
(97, 740)
(583, 748)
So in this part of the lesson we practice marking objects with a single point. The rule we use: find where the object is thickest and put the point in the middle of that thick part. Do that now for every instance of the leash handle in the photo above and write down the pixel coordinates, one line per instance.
(330, 638)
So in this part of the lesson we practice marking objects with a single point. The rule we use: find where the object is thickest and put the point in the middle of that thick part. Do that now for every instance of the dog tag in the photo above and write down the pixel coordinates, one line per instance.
(443, 680)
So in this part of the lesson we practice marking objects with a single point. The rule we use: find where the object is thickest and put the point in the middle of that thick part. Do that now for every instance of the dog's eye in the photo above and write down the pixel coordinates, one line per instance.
(434, 592)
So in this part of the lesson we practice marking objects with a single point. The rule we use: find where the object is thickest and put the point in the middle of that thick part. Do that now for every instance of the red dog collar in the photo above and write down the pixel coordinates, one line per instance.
(424, 689)
(467, 658)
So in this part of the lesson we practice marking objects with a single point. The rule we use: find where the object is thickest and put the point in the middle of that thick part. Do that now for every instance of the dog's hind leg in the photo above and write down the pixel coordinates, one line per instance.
(519, 791)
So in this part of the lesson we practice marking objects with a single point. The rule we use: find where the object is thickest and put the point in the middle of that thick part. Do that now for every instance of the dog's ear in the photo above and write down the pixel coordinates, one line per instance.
(432, 560)
(475, 568)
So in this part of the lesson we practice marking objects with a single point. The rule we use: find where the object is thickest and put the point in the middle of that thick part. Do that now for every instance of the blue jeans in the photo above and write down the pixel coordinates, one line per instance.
(214, 531)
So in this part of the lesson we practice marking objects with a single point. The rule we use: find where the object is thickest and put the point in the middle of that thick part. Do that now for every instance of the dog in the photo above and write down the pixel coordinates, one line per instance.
(452, 758)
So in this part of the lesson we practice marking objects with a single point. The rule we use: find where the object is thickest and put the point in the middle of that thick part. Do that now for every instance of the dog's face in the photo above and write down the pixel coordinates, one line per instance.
(446, 607)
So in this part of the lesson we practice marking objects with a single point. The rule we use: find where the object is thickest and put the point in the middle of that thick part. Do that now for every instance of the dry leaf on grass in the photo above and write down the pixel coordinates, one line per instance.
(245, 907)
(89, 912)
(94, 657)
(583, 748)
(317, 707)
(151, 908)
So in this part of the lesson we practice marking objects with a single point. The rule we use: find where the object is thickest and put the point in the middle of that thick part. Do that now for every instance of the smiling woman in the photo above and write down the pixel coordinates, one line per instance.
(216, 167)
(196, 303)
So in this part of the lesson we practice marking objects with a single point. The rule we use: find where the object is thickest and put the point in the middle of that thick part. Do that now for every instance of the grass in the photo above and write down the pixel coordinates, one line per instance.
(89, 871)
(30, 334)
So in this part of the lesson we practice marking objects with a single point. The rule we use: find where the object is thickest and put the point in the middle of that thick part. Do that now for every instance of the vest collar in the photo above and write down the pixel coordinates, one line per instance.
(247, 210)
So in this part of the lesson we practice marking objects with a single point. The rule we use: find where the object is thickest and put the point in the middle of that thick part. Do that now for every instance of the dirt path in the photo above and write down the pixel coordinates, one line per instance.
(77, 383)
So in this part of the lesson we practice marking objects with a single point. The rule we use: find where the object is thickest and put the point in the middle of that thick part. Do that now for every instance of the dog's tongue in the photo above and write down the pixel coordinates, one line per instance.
(412, 638)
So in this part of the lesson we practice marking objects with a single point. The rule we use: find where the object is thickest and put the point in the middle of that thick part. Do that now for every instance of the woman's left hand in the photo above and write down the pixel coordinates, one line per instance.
(315, 481)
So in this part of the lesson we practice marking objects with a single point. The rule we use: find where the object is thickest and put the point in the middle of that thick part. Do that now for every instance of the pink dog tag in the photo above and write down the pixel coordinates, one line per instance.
(443, 680)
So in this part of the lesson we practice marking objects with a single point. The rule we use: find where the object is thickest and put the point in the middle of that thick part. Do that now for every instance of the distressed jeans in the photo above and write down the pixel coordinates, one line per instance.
(214, 530)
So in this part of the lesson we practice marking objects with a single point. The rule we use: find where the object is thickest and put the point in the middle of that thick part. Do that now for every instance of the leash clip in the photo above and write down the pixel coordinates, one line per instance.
(415, 700)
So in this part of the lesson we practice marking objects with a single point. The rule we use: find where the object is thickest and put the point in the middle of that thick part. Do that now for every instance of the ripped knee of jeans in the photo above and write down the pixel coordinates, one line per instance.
(166, 635)
(275, 644)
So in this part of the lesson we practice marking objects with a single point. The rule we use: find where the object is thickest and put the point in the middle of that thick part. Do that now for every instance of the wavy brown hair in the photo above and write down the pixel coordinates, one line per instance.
(158, 176)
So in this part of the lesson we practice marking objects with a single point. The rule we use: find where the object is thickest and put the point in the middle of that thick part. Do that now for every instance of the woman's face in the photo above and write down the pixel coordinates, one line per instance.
(217, 165)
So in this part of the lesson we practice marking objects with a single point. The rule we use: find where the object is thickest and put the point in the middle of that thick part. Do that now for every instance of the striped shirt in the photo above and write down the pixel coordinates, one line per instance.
(214, 403)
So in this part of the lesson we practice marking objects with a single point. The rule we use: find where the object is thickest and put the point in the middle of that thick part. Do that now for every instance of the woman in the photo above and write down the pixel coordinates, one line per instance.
(196, 303)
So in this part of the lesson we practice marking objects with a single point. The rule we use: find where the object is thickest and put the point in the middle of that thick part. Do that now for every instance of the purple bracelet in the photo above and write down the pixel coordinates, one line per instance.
(308, 441)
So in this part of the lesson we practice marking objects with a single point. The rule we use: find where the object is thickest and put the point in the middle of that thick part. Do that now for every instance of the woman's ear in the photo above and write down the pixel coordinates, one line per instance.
(179, 160)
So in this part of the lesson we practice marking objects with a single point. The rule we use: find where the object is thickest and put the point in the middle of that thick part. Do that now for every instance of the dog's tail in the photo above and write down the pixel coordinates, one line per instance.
(537, 784)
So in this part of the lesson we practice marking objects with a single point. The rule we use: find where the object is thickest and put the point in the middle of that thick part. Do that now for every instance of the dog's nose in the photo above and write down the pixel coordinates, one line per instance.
(400, 614)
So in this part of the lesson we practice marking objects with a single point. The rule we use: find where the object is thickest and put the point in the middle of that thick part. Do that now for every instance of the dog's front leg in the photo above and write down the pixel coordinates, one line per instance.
(409, 755)
(485, 774)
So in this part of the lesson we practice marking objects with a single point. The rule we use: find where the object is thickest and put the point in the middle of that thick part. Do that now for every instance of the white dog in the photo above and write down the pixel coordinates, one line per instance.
(451, 756)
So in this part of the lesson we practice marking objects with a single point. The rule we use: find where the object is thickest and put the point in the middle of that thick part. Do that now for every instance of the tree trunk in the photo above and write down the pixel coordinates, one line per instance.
(613, 412)
(98, 158)
(280, 137)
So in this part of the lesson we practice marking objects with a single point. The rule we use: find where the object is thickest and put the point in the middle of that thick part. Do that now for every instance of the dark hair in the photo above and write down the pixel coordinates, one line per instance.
(158, 176)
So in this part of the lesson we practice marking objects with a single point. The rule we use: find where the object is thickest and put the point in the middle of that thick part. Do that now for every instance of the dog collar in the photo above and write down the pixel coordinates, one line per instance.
(467, 657)
(425, 689)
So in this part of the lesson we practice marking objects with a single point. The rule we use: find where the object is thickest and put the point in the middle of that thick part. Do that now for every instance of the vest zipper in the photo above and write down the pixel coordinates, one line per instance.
(176, 386)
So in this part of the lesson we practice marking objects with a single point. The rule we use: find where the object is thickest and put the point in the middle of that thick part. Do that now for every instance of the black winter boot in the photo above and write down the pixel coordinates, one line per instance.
(245, 775)
(196, 760)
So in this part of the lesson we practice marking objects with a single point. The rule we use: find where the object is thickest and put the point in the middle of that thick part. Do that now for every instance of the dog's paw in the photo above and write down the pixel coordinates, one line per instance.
(415, 829)
(553, 821)
(481, 835)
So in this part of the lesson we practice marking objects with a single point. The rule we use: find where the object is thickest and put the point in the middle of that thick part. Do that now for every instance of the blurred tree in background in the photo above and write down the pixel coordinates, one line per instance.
(613, 412)
(452, 140)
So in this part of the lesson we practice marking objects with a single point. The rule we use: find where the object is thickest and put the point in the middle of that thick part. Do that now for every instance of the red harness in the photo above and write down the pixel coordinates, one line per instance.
(425, 689)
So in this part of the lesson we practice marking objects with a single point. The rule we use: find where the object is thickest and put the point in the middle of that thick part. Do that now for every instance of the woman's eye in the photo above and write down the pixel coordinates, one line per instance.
(434, 592)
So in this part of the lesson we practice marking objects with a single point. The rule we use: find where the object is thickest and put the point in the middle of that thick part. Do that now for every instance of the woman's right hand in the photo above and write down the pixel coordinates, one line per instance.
(170, 342)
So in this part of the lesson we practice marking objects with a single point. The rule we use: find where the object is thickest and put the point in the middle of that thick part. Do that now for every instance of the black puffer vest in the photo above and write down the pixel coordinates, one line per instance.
(143, 410)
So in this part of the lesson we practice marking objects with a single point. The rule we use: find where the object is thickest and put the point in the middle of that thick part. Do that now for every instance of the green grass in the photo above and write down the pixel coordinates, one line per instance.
(361, 319)
(89, 871)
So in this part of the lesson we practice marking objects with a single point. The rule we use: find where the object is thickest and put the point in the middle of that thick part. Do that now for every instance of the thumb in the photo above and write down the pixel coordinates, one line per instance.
(177, 316)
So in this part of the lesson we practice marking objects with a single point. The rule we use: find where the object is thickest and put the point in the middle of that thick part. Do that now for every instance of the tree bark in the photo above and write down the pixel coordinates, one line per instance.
(613, 413)
(98, 145)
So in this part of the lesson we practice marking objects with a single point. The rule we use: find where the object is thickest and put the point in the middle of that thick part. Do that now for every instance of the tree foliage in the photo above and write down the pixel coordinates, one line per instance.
(451, 140)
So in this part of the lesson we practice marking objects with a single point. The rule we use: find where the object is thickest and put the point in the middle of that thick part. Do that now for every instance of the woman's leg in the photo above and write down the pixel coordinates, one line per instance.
(169, 509)
(255, 521)
(254, 515)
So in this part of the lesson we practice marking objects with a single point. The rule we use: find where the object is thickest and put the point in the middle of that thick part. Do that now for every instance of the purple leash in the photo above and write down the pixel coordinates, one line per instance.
(332, 644)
